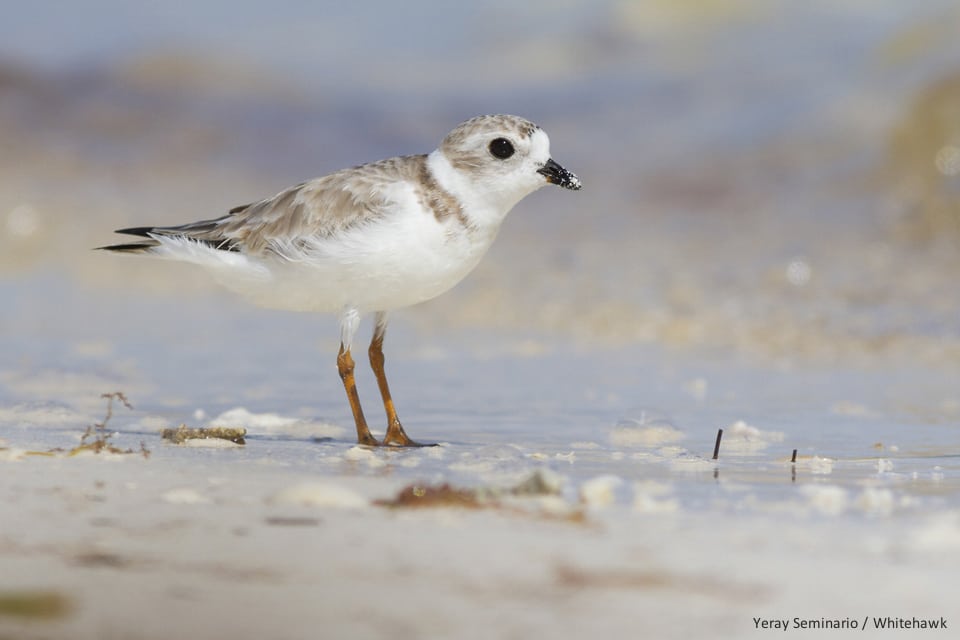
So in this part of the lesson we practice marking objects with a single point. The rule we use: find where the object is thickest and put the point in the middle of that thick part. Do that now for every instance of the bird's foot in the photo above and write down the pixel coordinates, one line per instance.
(397, 437)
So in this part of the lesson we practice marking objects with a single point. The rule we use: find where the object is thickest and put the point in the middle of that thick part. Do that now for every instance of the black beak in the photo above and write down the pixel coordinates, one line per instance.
(559, 176)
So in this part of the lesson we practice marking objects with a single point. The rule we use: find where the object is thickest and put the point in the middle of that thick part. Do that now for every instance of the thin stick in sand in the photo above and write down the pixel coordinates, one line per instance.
(716, 447)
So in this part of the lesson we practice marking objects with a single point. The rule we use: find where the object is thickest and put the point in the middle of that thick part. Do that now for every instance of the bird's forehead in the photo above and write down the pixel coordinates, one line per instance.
(482, 126)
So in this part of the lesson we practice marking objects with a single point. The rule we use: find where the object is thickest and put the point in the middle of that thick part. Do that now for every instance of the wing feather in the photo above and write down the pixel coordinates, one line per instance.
(318, 208)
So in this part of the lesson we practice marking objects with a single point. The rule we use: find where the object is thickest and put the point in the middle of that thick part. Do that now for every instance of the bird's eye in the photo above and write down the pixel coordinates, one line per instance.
(501, 148)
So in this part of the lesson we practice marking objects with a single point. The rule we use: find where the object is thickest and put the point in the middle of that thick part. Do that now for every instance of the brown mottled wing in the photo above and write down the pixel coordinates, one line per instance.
(318, 208)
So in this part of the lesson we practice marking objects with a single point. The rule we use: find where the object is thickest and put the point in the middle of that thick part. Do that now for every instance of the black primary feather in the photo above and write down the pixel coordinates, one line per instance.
(186, 230)
(134, 247)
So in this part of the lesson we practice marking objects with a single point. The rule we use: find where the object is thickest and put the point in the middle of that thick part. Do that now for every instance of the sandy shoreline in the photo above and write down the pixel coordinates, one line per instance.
(193, 543)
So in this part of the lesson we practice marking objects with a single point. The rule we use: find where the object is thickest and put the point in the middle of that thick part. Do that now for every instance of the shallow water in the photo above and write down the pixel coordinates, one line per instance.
(499, 405)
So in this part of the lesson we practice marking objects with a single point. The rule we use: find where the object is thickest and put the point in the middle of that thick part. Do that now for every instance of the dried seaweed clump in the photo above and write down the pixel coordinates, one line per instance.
(444, 495)
(183, 433)
(514, 500)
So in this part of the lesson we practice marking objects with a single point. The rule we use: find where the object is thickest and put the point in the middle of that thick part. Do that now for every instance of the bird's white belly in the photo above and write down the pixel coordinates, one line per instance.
(381, 266)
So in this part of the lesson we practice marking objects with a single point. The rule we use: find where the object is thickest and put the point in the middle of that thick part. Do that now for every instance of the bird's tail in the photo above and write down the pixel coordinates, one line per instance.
(142, 246)
(205, 232)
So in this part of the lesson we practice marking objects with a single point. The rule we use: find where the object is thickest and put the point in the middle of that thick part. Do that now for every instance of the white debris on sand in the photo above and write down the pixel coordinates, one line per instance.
(273, 424)
(645, 432)
(742, 438)
(365, 455)
(818, 465)
(600, 491)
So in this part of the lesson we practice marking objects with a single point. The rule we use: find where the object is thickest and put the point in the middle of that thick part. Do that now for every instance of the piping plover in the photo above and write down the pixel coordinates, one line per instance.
(373, 238)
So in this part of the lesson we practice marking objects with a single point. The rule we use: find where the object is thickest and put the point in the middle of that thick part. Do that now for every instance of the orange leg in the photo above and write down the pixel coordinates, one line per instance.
(396, 436)
(345, 367)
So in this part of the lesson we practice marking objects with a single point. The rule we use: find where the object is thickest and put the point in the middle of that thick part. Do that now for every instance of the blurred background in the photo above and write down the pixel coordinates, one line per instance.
(767, 240)
(777, 181)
